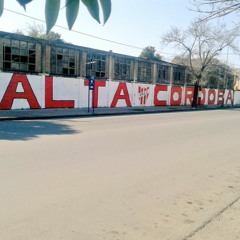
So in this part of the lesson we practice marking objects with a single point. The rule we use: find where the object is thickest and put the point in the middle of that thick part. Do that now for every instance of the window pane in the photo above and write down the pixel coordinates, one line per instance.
(23, 44)
(144, 71)
(62, 60)
(15, 43)
(18, 56)
(96, 62)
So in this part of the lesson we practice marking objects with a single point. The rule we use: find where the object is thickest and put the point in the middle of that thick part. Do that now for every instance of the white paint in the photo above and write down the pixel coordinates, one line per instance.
(75, 89)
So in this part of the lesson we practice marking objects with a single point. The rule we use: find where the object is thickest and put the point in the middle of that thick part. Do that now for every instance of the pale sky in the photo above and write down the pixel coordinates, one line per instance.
(139, 23)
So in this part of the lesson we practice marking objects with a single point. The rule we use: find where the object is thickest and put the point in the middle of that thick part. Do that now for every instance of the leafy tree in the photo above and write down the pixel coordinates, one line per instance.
(52, 8)
(200, 44)
(149, 53)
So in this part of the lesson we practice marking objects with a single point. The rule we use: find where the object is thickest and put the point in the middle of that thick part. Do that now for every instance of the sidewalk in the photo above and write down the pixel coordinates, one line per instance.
(83, 112)
(225, 225)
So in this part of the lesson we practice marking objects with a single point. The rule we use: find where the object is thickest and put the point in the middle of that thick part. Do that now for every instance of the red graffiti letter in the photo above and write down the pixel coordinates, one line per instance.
(96, 90)
(220, 97)
(211, 96)
(157, 89)
(49, 102)
(189, 92)
(176, 96)
(11, 93)
(118, 96)
(202, 96)
(229, 97)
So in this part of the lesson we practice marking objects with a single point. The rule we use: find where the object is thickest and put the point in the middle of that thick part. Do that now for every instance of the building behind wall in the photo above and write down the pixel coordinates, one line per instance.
(23, 54)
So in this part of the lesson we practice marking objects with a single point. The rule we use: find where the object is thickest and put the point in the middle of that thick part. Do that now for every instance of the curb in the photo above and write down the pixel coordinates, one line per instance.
(125, 111)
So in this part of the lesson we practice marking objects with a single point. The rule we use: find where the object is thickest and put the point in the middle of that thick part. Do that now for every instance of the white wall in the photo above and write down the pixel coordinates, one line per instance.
(32, 91)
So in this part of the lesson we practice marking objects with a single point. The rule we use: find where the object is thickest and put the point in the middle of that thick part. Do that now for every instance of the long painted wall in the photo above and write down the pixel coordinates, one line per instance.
(19, 91)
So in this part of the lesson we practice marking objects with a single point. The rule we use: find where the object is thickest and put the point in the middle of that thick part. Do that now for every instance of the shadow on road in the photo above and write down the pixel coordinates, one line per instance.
(27, 130)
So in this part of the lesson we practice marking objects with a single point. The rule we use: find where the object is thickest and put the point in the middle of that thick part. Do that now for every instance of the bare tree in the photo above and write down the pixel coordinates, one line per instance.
(214, 76)
(38, 31)
(200, 43)
(216, 8)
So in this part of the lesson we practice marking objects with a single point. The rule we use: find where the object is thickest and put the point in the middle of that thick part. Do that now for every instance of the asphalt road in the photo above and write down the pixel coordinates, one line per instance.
(160, 176)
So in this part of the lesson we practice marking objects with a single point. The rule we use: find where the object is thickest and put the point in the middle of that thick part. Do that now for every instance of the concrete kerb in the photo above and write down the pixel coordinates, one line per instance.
(6, 115)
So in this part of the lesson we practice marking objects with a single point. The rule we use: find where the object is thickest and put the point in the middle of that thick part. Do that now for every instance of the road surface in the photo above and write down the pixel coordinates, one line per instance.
(171, 176)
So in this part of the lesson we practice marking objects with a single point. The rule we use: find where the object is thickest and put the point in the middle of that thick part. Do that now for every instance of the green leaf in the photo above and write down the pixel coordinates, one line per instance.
(93, 8)
(1, 7)
(72, 8)
(23, 3)
(106, 8)
(52, 8)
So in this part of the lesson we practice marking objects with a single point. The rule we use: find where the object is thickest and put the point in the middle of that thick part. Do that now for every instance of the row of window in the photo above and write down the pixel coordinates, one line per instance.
(22, 56)
(19, 55)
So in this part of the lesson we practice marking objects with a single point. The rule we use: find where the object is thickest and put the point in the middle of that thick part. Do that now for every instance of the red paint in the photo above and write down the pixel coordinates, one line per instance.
(122, 87)
(229, 97)
(11, 93)
(49, 102)
(202, 99)
(211, 96)
(220, 97)
(176, 91)
(161, 95)
(189, 92)
(97, 85)
(157, 89)
(143, 94)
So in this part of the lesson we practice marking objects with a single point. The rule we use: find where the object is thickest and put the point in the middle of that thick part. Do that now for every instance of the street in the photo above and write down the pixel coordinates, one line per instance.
(139, 177)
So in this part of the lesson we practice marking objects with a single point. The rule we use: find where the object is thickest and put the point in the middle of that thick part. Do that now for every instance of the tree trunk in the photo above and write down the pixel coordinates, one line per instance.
(195, 94)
